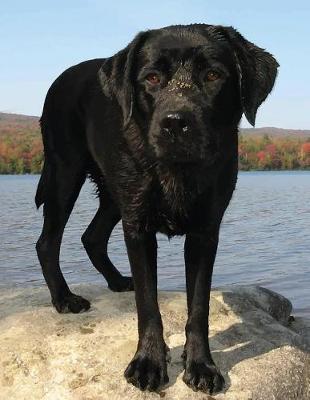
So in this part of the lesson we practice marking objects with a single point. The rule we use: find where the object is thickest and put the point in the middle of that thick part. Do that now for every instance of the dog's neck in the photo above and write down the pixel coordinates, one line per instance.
(180, 187)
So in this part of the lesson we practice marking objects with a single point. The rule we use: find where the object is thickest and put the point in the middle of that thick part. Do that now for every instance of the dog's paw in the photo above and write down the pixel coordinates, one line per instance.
(71, 303)
(146, 373)
(204, 377)
(122, 284)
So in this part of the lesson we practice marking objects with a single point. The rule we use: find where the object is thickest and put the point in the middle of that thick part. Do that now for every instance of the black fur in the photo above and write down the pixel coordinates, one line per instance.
(164, 158)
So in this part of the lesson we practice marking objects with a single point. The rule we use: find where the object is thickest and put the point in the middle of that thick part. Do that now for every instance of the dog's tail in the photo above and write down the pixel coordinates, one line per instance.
(40, 193)
(42, 185)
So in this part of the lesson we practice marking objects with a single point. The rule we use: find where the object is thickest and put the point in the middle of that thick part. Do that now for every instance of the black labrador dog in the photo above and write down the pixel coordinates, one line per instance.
(156, 128)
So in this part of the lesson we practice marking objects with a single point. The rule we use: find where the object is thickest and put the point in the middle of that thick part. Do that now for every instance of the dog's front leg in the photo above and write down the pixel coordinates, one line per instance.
(200, 370)
(148, 369)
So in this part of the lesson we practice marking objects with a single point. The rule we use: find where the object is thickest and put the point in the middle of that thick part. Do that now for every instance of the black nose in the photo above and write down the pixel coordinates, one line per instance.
(175, 123)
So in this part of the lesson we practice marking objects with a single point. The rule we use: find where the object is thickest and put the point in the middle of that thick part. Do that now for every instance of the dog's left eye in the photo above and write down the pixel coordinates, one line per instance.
(154, 79)
(213, 76)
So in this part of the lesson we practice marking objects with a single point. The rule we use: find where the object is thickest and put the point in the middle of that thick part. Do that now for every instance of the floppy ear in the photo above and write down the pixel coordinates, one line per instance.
(116, 76)
(257, 70)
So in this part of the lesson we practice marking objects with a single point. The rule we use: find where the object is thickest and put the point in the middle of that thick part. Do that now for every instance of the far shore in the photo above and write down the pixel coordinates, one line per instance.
(241, 170)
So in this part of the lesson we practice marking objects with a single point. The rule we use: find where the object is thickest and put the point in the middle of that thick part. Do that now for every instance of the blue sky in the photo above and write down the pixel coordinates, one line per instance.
(39, 39)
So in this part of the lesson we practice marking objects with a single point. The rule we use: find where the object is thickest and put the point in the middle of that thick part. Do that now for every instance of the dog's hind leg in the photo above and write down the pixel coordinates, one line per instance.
(59, 188)
(95, 240)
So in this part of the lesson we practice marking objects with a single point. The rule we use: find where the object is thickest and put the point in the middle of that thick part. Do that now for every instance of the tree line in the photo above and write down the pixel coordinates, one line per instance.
(21, 152)
(273, 153)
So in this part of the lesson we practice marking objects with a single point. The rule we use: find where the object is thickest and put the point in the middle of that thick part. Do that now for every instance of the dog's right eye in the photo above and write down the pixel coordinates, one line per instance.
(153, 78)
(213, 76)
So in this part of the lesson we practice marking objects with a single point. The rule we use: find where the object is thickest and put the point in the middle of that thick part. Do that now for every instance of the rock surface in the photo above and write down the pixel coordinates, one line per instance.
(262, 353)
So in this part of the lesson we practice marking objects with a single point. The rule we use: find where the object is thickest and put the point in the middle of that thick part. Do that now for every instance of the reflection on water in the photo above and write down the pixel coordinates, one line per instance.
(264, 238)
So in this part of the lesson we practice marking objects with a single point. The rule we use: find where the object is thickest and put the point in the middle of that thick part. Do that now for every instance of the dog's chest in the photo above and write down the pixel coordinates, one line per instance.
(175, 207)
(171, 224)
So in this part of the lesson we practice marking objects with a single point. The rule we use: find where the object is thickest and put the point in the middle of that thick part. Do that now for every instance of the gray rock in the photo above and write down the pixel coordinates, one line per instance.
(262, 352)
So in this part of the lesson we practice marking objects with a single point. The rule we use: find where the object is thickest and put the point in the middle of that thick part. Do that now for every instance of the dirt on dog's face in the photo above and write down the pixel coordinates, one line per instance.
(188, 88)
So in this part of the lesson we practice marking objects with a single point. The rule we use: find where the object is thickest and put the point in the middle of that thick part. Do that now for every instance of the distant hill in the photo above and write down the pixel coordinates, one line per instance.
(279, 132)
(17, 117)
(19, 122)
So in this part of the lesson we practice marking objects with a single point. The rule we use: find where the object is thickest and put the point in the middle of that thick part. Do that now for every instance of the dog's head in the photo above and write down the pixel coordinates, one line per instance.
(186, 85)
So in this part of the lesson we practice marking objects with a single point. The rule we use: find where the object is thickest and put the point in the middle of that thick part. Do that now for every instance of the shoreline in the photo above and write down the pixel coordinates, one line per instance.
(304, 312)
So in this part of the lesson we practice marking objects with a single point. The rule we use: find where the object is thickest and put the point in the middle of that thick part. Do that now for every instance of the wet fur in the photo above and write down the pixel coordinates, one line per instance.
(101, 120)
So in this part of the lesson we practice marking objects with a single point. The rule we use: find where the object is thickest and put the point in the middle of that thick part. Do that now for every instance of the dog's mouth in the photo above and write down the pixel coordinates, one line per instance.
(192, 150)
(189, 160)
(179, 159)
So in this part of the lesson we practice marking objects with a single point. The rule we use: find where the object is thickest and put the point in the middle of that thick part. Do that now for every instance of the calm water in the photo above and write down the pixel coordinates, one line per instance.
(265, 238)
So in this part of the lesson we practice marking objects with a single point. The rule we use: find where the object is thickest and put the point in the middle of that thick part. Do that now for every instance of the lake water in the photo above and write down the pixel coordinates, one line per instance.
(265, 238)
